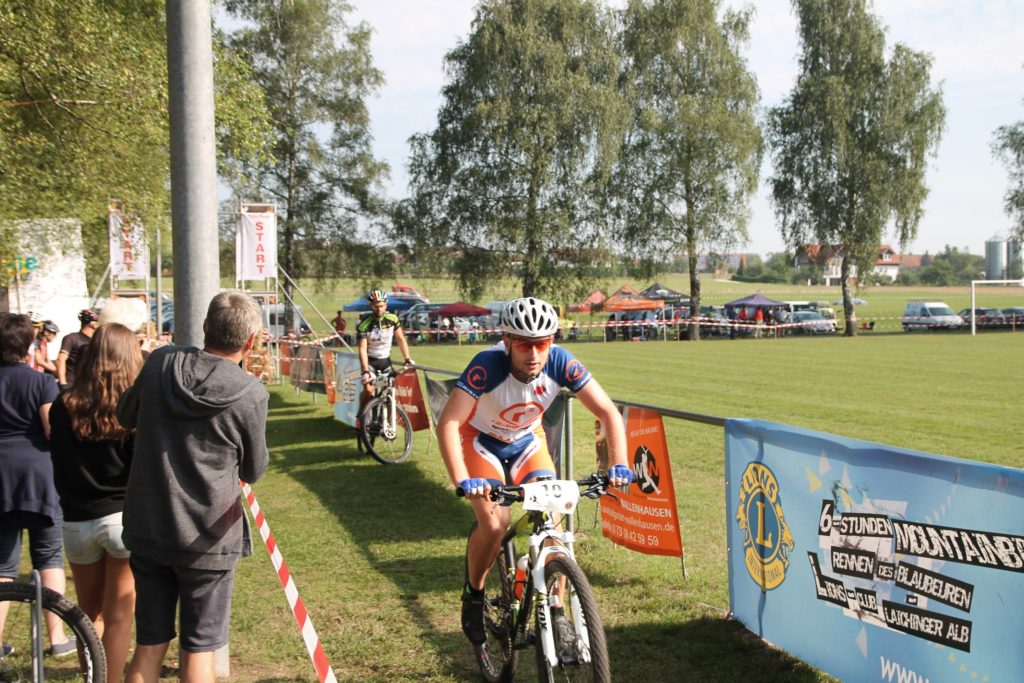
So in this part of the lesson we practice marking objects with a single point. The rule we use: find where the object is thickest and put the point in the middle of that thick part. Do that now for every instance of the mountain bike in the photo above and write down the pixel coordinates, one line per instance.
(24, 630)
(384, 428)
(543, 598)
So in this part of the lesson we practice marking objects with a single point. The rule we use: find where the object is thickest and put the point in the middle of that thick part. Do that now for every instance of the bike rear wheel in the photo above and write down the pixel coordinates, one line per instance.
(371, 430)
(582, 651)
(89, 664)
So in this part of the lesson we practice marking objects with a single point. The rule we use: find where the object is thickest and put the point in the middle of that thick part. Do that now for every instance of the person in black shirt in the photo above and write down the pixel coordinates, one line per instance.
(91, 454)
(72, 346)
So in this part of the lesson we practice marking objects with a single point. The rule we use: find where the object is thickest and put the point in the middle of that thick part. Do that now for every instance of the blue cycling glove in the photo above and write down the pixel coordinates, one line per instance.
(621, 472)
(474, 486)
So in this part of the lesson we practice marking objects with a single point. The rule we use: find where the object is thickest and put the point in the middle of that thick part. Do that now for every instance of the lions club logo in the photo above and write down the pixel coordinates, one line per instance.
(476, 377)
(767, 540)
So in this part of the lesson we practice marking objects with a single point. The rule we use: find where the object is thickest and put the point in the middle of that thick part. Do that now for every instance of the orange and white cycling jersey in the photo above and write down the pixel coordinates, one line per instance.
(505, 425)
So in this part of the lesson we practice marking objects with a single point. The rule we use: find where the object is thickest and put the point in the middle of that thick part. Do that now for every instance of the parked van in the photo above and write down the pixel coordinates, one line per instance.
(930, 315)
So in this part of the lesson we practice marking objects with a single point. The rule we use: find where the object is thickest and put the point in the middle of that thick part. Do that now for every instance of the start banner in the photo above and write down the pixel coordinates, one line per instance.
(256, 243)
(875, 563)
(644, 517)
(129, 253)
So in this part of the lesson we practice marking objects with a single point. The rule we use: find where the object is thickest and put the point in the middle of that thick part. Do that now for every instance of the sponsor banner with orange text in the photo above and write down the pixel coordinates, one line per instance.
(645, 517)
(409, 396)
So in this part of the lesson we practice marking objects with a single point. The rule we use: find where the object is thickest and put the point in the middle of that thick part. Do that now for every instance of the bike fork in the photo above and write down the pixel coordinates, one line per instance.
(390, 417)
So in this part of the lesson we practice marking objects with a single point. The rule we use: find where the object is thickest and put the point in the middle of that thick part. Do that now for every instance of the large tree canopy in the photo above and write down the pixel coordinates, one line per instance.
(1008, 144)
(511, 181)
(690, 161)
(851, 141)
(316, 72)
(83, 111)
(78, 125)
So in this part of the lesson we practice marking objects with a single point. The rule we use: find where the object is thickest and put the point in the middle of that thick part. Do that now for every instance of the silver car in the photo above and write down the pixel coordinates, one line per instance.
(810, 322)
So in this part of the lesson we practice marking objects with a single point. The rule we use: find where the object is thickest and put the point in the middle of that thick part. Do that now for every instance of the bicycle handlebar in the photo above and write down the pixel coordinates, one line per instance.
(592, 486)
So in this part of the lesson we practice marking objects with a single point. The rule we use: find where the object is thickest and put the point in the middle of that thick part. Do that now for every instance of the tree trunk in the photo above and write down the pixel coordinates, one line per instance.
(288, 251)
(693, 329)
(848, 314)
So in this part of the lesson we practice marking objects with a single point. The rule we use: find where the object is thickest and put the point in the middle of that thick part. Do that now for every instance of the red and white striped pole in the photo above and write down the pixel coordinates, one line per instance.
(309, 636)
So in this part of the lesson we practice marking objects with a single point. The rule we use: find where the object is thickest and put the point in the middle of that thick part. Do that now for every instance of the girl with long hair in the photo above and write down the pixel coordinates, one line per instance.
(92, 454)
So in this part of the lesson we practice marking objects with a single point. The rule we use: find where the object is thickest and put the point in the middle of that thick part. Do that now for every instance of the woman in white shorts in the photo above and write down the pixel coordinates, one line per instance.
(91, 454)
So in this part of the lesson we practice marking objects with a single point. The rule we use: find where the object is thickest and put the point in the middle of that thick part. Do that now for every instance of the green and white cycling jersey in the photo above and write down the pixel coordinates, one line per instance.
(379, 333)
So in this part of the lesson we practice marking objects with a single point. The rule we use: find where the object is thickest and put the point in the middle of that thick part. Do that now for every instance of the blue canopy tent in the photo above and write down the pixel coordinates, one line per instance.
(754, 301)
(396, 302)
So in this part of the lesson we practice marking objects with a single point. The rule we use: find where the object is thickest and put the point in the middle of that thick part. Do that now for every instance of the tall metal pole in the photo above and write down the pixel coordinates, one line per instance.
(193, 166)
(193, 179)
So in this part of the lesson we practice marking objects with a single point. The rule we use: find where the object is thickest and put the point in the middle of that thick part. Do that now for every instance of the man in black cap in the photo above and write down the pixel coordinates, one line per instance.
(72, 346)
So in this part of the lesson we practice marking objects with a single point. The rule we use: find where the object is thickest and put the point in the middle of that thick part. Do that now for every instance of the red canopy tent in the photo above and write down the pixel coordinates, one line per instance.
(585, 306)
(459, 309)
(628, 299)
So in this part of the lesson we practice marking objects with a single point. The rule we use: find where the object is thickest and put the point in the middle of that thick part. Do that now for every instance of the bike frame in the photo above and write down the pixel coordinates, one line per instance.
(536, 588)
(384, 387)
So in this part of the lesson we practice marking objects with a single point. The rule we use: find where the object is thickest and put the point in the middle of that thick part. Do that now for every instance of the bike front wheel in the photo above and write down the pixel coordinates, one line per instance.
(580, 647)
(88, 664)
(387, 451)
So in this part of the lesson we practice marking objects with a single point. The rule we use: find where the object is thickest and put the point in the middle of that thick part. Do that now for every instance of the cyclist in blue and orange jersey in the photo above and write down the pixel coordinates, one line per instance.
(490, 430)
(376, 333)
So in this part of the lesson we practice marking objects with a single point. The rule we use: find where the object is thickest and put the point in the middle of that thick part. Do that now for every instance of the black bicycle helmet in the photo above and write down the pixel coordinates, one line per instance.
(50, 326)
(529, 317)
(87, 315)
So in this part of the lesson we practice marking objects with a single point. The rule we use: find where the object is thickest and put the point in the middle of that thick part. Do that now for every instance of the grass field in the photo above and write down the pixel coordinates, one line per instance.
(377, 552)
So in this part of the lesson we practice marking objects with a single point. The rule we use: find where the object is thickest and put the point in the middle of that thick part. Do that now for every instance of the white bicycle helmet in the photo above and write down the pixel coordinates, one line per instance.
(529, 317)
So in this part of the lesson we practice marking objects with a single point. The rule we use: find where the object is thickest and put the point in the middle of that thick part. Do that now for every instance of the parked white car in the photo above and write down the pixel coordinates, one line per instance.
(930, 315)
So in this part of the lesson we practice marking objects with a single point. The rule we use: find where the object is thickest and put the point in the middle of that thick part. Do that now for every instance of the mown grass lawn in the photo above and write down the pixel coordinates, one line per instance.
(376, 551)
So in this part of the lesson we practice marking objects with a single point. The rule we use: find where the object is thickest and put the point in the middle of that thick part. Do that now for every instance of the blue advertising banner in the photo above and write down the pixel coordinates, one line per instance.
(347, 385)
(875, 563)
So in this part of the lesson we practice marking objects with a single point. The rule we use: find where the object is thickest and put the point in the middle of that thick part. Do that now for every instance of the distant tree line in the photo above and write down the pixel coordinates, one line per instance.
(950, 267)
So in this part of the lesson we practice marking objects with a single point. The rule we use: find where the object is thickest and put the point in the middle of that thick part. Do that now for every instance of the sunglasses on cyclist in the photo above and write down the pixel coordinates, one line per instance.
(525, 345)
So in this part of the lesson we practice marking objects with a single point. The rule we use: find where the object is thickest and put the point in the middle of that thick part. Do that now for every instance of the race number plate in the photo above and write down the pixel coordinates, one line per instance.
(551, 495)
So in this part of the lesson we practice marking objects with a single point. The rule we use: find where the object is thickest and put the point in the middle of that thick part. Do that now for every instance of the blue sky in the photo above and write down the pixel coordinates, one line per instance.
(978, 52)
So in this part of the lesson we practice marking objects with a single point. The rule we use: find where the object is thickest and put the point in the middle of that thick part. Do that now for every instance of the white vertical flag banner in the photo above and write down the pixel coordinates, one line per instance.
(129, 253)
(256, 245)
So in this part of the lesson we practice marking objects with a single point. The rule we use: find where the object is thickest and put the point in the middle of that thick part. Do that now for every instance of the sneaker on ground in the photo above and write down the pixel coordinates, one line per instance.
(6, 649)
(473, 618)
(64, 649)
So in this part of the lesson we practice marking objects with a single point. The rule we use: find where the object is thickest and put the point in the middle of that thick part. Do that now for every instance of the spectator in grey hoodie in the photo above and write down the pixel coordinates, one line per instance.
(201, 425)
